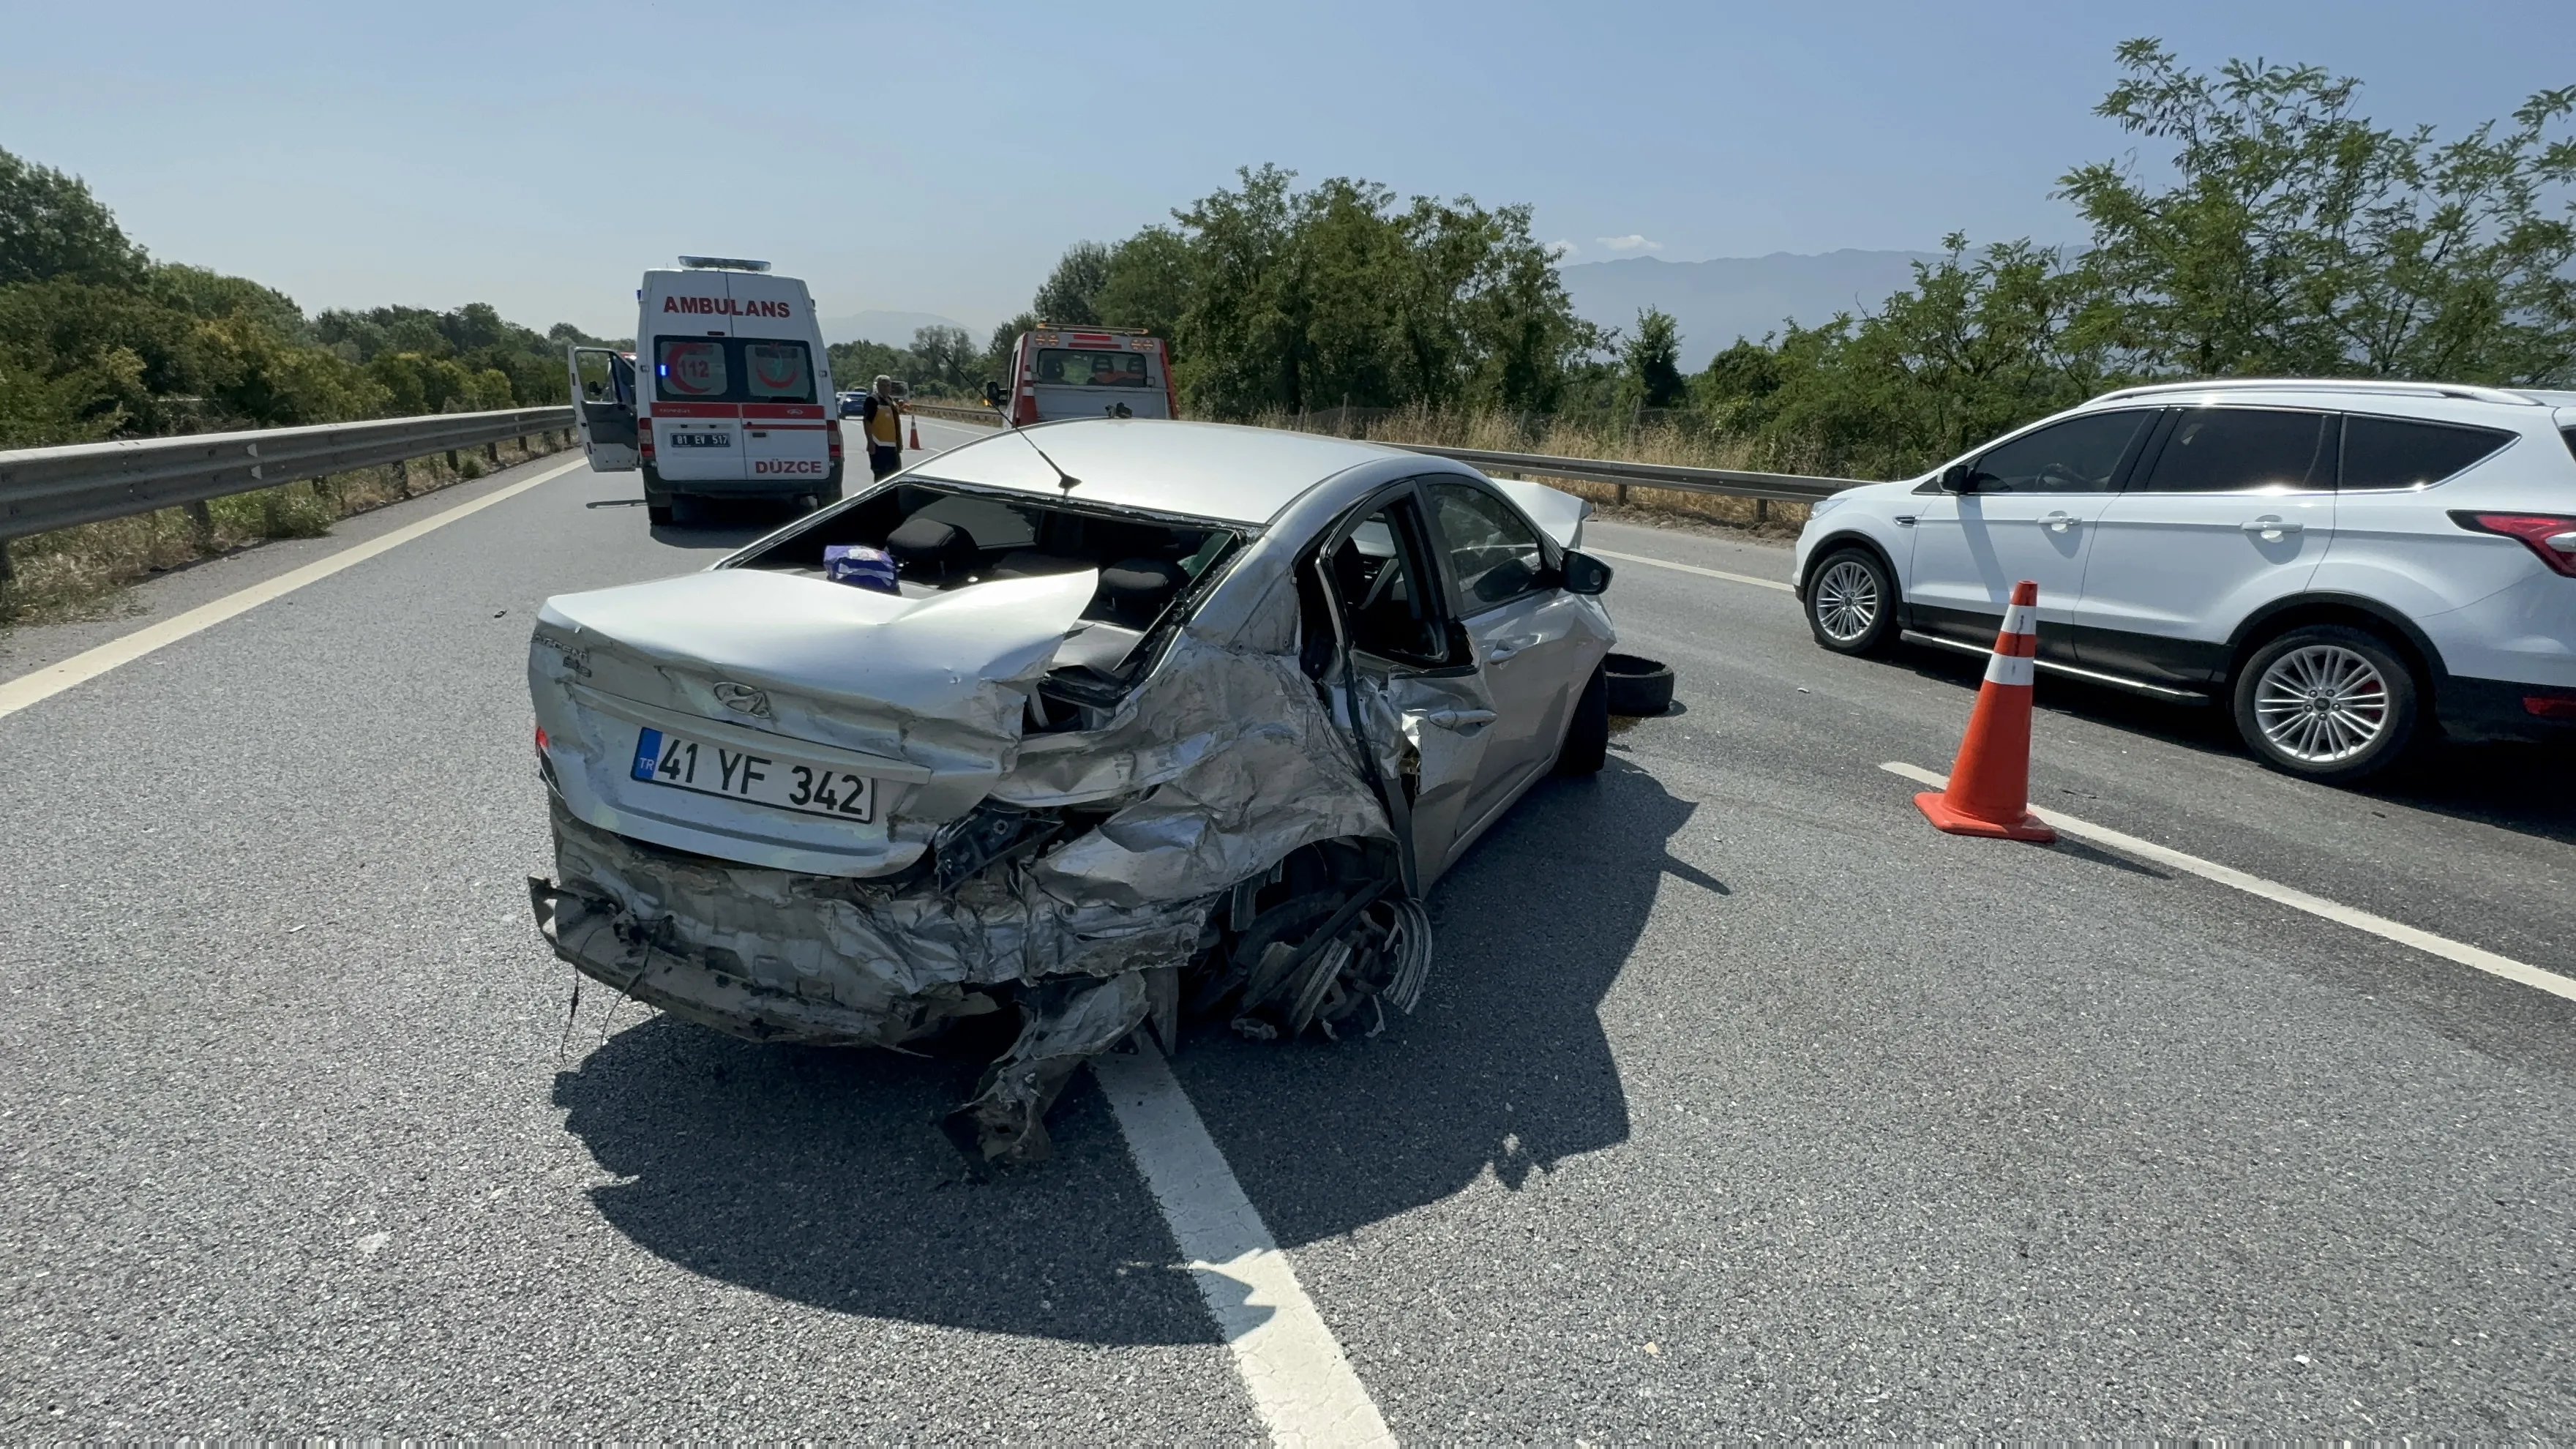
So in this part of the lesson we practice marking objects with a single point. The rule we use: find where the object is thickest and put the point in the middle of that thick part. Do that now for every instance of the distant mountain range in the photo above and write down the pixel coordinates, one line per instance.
(894, 329)
(1718, 301)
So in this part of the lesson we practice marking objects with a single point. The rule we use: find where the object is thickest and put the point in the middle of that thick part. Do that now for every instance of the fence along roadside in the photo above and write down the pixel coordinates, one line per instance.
(43, 489)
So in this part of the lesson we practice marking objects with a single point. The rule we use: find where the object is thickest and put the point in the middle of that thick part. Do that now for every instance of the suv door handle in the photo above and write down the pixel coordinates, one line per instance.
(2272, 527)
(2059, 521)
(1456, 719)
(1502, 649)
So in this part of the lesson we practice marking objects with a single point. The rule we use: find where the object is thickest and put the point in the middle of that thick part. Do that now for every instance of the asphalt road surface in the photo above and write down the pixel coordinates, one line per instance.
(1741, 1102)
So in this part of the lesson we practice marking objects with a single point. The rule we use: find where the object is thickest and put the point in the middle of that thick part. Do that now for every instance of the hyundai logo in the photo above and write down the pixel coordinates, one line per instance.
(743, 699)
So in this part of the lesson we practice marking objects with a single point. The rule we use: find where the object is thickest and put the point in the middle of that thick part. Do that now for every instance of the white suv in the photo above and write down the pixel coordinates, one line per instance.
(2342, 563)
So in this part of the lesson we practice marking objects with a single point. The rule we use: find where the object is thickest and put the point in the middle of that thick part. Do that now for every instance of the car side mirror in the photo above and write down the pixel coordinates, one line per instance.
(992, 393)
(1958, 478)
(1584, 574)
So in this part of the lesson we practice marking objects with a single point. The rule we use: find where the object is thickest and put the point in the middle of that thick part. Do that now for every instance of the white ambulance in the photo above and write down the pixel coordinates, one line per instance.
(1089, 372)
(732, 391)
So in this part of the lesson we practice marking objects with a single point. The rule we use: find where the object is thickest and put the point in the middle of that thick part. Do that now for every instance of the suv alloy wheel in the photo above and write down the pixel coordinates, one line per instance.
(2327, 702)
(1851, 603)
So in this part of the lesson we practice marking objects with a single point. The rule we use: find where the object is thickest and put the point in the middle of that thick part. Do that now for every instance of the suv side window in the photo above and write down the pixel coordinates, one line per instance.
(2406, 453)
(2245, 450)
(1494, 555)
(2079, 455)
(1379, 580)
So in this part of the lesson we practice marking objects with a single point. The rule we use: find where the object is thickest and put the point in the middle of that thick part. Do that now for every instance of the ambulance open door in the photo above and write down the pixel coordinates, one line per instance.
(603, 406)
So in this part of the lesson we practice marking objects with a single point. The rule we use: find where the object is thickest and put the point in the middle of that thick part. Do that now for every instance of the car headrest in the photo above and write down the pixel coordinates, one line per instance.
(929, 548)
(1136, 589)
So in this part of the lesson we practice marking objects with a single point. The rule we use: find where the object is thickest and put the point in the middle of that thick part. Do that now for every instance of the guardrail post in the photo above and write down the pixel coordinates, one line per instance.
(1762, 510)
(8, 571)
(492, 451)
(402, 476)
(452, 464)
(201, 522)
(1620, 491)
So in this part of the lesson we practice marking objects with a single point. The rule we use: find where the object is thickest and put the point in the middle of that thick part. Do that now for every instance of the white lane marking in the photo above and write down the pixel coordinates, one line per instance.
(1665, 563)
(1300, 1383)
(42, 684)
(2359, 920)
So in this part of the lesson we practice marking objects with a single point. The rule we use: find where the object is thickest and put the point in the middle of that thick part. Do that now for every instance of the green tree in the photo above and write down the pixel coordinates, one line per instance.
(1068, 297)
(1651, 358)
(51, 226)
(1147, 283)
(2297, 236)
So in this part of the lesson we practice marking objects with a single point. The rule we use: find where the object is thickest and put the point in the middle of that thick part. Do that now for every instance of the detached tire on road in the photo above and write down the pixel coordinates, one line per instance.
(1587, 735)
(2327, 702)
(1851, 603)
(1639, 688)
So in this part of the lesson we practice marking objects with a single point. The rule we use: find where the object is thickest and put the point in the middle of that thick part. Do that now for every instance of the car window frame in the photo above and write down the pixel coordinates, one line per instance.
(1551, 571)
(1457, 656)
(2143, 466)
(2343, 449)
(2122, 471)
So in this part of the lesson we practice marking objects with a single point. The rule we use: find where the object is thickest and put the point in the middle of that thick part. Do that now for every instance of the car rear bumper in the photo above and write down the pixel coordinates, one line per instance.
(2497, 709)
(782, 956)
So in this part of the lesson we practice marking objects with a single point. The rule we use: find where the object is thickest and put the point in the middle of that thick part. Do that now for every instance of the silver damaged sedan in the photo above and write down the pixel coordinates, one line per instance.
(1094, 722)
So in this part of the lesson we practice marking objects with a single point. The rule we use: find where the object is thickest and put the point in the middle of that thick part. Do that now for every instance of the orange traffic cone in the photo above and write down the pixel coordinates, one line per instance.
(915, 444)
(1989, 790)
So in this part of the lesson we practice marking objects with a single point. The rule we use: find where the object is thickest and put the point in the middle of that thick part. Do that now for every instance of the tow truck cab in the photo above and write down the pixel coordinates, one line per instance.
(1089, 372)
(732, 389)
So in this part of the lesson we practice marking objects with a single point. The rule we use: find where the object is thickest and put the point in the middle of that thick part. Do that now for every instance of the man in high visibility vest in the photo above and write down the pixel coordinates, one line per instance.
(881, 419)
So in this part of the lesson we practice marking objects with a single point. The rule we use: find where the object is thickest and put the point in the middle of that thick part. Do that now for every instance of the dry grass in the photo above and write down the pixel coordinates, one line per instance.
(1653, 443)
(79, 572)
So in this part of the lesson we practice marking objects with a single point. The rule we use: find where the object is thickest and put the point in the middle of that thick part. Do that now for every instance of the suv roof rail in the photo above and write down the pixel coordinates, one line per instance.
(2381, 385)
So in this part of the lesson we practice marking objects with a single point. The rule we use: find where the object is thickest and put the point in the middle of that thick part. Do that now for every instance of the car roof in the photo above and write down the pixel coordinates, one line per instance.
(1201, 470)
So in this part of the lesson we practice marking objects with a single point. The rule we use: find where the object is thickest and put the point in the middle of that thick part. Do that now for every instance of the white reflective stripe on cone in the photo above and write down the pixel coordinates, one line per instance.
(2018, 669)
(2021, 619)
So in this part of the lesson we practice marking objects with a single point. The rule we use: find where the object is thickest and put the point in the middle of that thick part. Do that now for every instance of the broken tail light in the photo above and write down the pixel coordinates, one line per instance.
(2551, 537)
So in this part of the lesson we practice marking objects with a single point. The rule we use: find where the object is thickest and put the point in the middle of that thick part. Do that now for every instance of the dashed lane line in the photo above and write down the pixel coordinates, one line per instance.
(43, 684)
(2299, 900)
(1665, 563)
(1302, 1387)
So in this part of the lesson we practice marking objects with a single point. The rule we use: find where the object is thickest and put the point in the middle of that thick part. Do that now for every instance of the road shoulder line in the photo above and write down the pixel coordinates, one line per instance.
(1301, 1385)
(1665, 563)
(42, 684)
(2360, 920)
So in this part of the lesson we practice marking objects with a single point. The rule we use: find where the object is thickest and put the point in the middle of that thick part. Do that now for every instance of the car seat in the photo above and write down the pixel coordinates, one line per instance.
(931, 552)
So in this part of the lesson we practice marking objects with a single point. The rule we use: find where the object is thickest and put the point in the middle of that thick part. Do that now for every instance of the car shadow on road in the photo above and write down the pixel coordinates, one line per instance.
(819, 1177)
(1506, 1069)
(2529, 789)
(816, 1176)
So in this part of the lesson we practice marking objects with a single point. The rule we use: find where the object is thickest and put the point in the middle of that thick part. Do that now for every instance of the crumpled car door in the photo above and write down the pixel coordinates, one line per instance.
(1410, 688)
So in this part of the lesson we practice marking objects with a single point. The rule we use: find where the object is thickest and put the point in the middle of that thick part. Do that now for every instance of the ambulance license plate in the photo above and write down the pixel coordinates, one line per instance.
(662, 758)
(702, 440)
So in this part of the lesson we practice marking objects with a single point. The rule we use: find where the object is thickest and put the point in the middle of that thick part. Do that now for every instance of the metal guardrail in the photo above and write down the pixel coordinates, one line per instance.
(42, 489)
(1730, 482)
(943, 411)
(1733, 483)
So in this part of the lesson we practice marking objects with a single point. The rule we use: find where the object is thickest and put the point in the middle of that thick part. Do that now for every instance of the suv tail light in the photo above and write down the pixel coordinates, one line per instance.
(2551, 536)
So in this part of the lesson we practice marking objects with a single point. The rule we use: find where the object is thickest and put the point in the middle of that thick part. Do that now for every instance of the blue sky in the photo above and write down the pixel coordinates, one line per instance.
(540, 155)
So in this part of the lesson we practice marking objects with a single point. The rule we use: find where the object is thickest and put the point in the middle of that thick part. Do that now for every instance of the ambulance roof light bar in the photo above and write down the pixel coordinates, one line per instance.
(722, 264)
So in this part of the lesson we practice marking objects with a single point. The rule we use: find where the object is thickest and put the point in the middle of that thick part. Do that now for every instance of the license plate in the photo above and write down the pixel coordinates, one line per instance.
(662, 758)
(702, 440)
